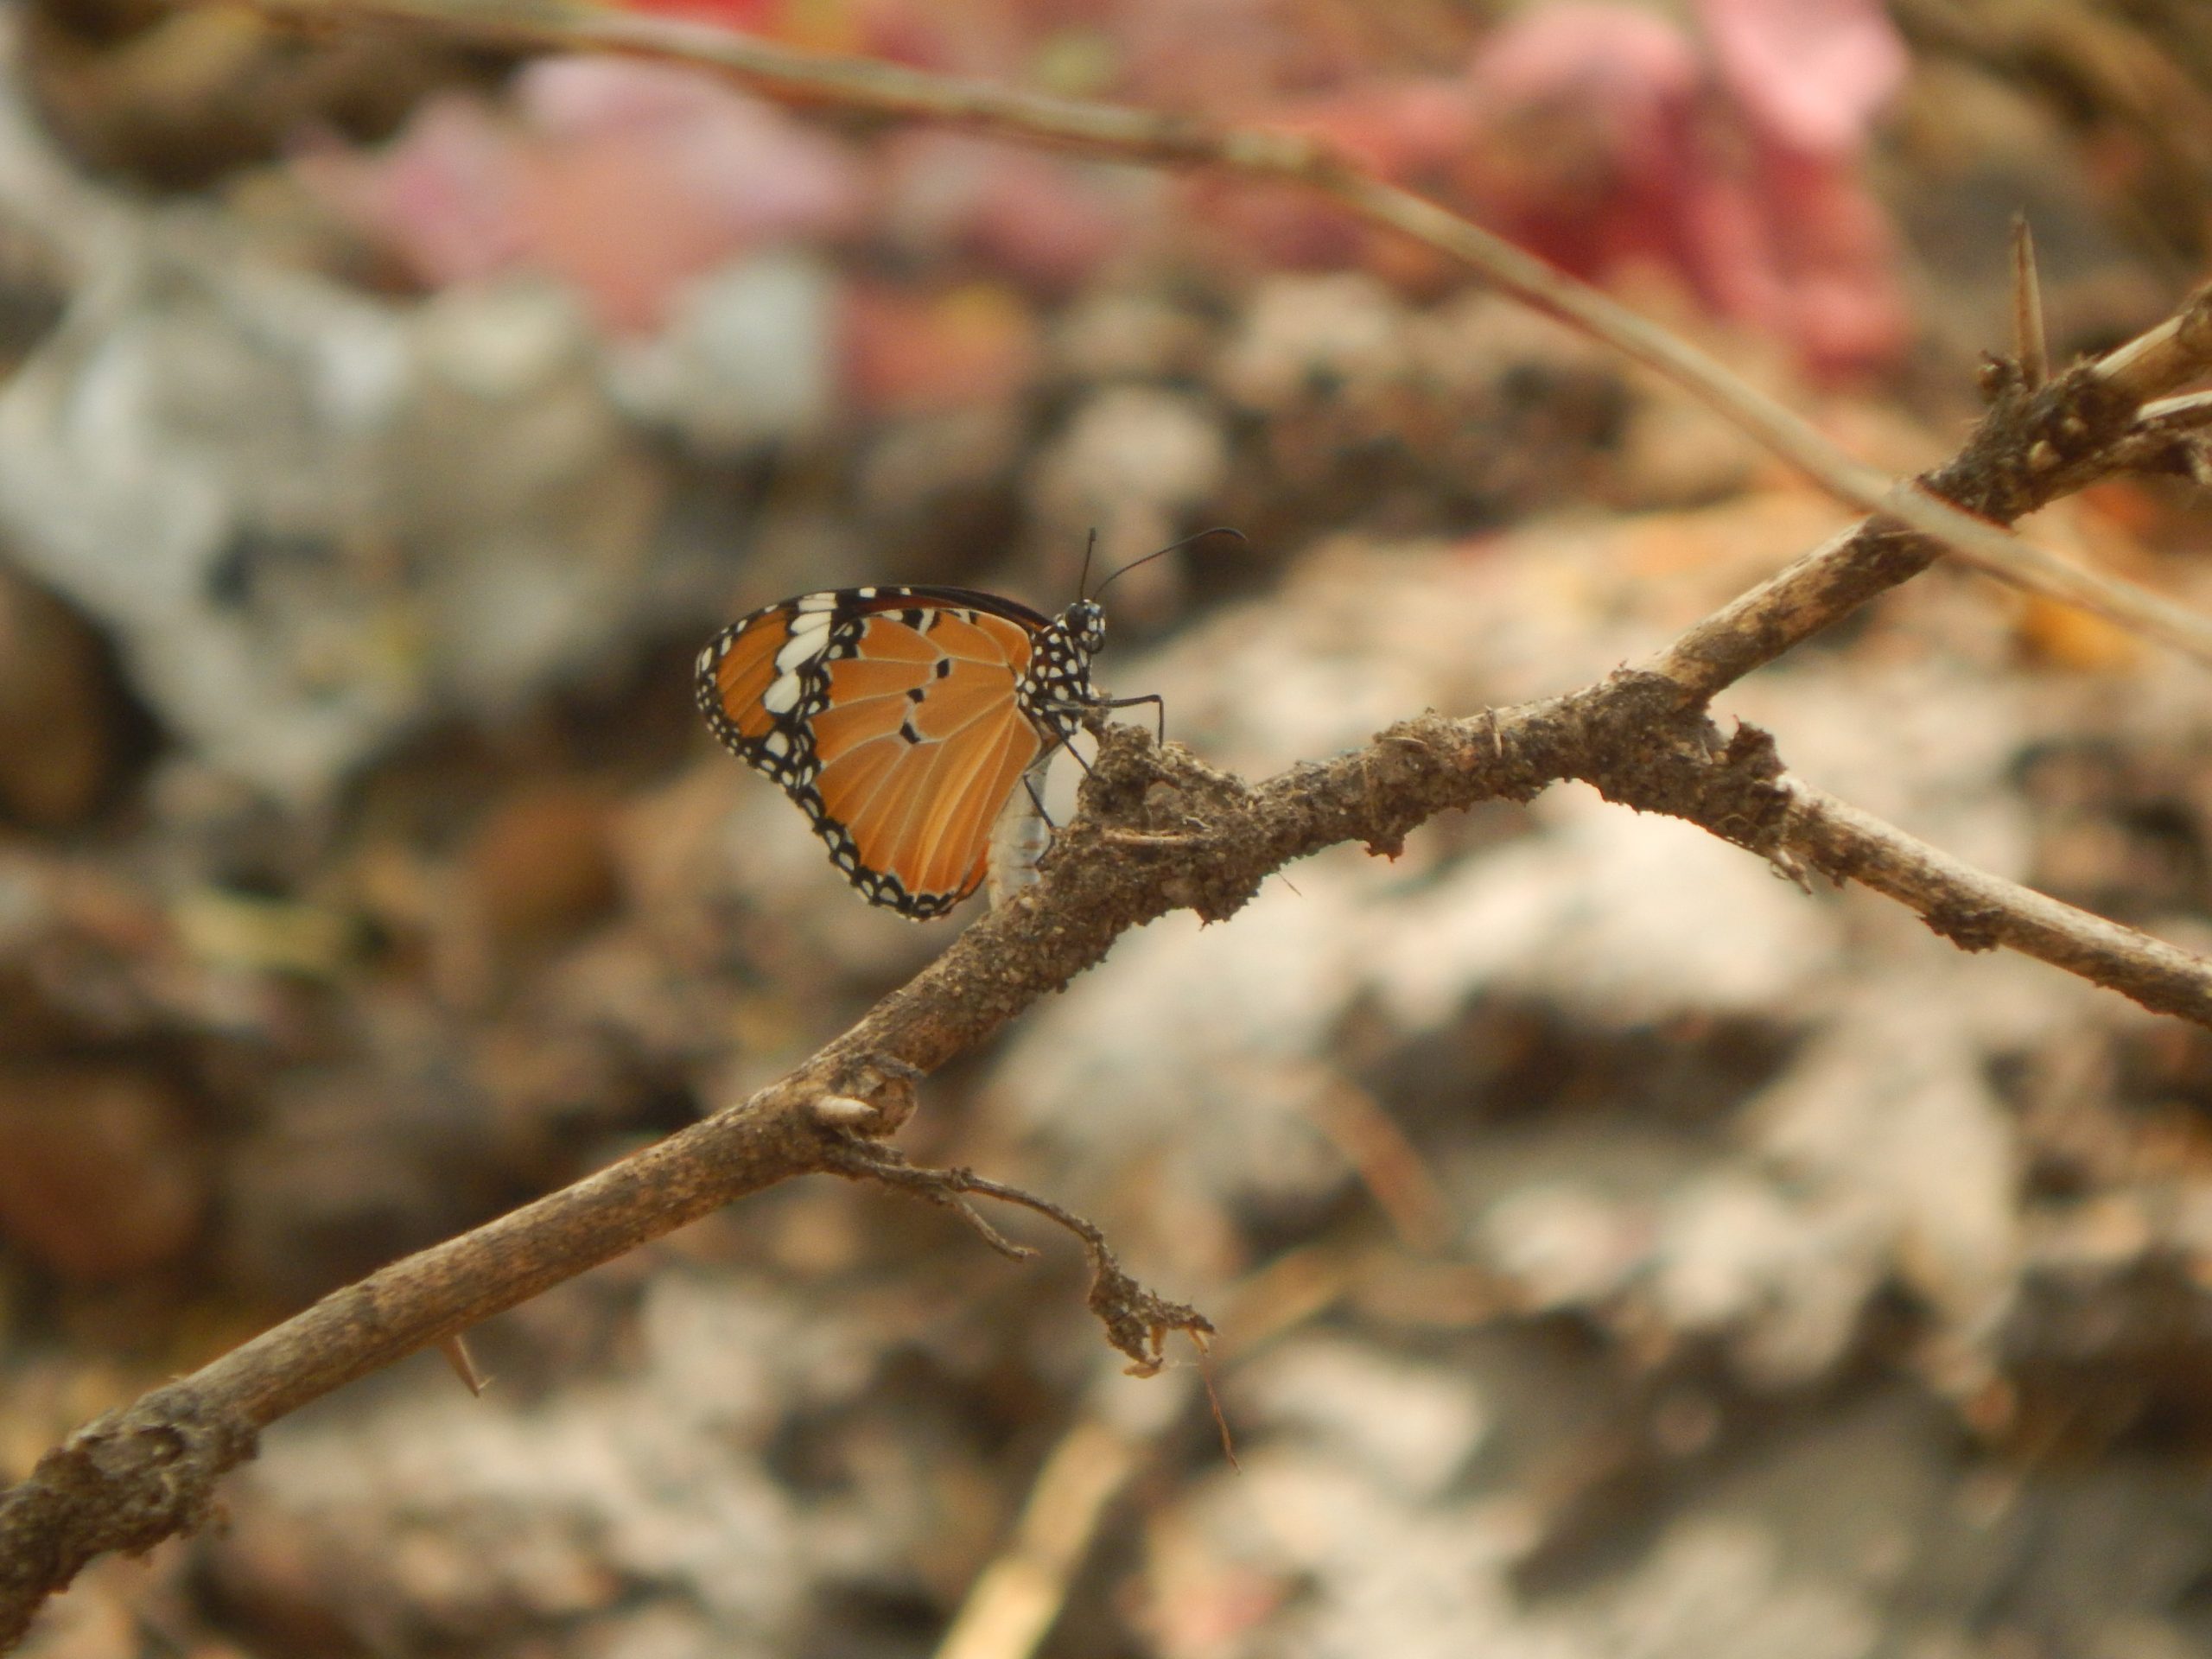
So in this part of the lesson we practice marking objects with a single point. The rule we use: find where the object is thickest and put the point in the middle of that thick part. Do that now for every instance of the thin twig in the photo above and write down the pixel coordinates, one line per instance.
(1387, 1164)
(1137, 1320)
(1114, 132)
(2031, 450)
(1016, 1599)
(881, 1162)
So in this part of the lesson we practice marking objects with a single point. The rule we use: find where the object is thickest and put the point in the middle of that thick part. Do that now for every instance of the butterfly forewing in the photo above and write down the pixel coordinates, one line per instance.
(895, 717)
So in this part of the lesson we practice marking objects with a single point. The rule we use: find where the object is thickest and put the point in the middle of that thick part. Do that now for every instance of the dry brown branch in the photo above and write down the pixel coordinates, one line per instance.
(1159, 831)
(2036, 444)
(1116, 133)
(135, 1476)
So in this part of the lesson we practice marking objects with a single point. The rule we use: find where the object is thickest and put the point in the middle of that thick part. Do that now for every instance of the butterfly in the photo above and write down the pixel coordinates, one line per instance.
(904, 721)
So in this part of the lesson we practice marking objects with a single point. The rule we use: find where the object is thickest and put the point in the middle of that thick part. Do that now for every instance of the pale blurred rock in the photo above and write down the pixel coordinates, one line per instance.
(1131, 461)
(1343, 334)
(1411, 1427)
(1784, 1284)
(1133, 335)
(1891, 1109)
(749, 359)
(1563, 1246)
(311, 518)
(435, 1511)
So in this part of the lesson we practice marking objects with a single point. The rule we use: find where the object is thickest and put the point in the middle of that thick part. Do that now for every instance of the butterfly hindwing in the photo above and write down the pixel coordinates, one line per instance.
(897, 719)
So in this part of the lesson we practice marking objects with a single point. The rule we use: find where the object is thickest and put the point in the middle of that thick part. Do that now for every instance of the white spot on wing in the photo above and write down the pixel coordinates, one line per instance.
(782, 695)
(805, 644)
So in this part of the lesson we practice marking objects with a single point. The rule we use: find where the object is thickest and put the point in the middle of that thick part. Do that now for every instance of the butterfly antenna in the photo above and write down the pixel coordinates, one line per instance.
(1173, 547)
(1090, 546)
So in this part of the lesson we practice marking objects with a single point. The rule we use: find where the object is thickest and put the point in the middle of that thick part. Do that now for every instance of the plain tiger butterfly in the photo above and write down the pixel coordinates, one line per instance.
(904, 721)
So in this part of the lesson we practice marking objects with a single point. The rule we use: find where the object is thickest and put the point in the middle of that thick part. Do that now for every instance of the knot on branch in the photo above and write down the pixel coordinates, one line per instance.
(1642, 750)
(2027, 448)
(1969, 926)
(1146, 805)
(126, 1481)
(866, 1094)
(2193, 325)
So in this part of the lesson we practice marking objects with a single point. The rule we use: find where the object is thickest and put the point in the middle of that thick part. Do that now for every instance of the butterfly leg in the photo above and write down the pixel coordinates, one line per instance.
(1080, 709)
(1159, 705)
(1036, 796)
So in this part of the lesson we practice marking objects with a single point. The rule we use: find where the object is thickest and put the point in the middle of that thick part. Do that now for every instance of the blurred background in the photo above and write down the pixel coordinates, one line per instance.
(1619, 1251)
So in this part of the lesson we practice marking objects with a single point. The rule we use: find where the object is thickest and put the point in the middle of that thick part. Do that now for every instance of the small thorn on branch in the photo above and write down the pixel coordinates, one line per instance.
(2031, 349)
(455, 1349)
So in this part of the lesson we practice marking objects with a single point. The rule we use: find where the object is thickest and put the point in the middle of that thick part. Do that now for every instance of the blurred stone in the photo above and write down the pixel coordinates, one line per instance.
(1736, 1257)
(59, 710)
(98, 1178)
(178, 99)
(248, 932)
(917, 352)
(747, 359)
(541, 867)
(280, 1580)
(932, 490)
(355, 1165)
(1674, 452)
(1411, 1427)
(1132, 463)
(311, 518)
(1343, 336)
(428, 1517)
(1564, 1246)
(1127, 336)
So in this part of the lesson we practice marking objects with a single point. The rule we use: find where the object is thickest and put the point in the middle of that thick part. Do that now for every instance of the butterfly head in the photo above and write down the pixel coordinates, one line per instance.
(1086, 626)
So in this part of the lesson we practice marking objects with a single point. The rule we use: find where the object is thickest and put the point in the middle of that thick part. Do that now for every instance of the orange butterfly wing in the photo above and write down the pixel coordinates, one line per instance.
(893, 717)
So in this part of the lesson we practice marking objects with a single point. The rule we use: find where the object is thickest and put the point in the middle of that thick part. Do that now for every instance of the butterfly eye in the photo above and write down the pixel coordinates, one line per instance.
(1088, 623)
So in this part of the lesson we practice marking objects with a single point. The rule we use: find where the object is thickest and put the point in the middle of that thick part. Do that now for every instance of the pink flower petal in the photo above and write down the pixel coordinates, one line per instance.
(1811, 72)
